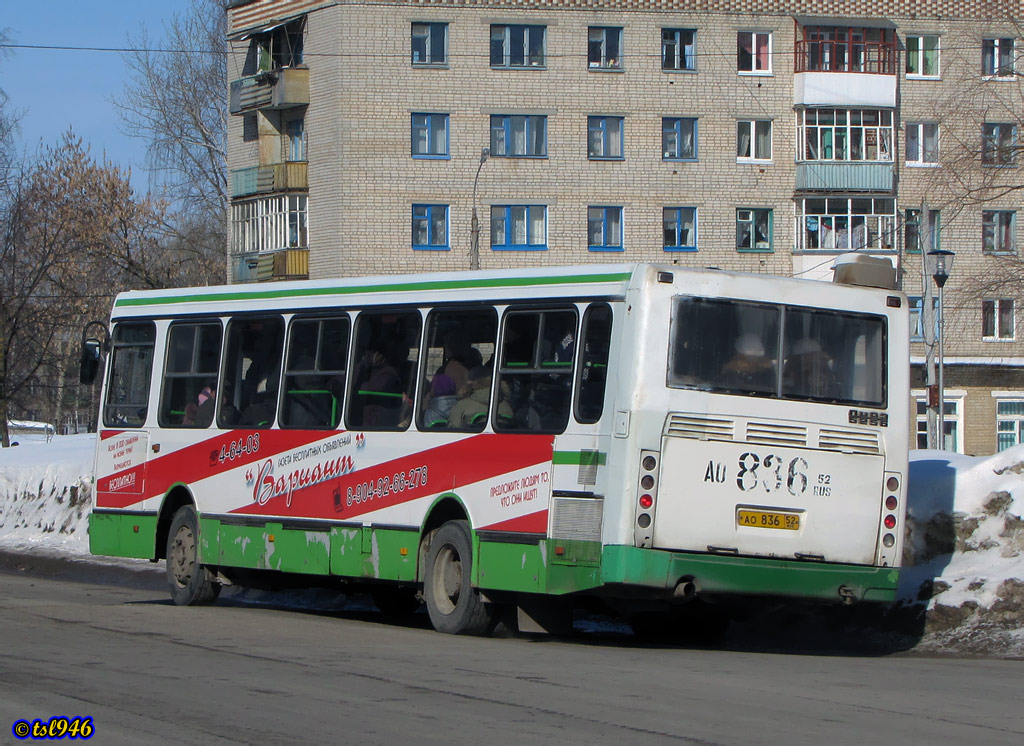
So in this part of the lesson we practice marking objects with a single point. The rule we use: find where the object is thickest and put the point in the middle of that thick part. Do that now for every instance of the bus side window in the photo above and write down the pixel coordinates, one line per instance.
(383, 382)
(314, 379)
(535, 370)
(252, 372)
(456, 390)
(593, 373)
(131, 368)
(190, 375)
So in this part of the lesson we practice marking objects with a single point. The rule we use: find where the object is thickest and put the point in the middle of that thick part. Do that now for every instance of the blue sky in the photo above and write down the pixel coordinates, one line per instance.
(61, 89)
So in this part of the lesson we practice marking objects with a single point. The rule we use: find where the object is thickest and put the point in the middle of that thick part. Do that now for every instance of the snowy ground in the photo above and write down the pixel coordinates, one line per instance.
(963, 563)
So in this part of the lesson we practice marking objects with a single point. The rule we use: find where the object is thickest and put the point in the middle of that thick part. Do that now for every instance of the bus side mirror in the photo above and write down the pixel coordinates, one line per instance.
(92, 351)
(90, 362)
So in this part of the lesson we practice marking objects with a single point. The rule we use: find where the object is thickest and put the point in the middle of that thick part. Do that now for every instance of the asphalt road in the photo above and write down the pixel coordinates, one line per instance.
(146, 671)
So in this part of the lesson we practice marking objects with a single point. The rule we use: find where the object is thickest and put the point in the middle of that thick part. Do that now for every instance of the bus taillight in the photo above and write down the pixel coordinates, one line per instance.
(648, 492)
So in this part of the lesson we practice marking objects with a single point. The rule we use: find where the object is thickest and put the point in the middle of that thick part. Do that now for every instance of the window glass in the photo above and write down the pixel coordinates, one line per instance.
(131, 366)
(922, 56)
(519, 228)
(753, 50)
(519, 136)
(604, 137)
(517, 46)
(679, 227)
(190, 375)
(535, 371)
(314, 379)
(753, 229)
(734, 346)
(252, 372)
(383, 382)
(429, 43)
(679, 138)
(459, 359)
(430, 135)
(997, 231)
(430, 227)
(604, 228)
(593, 372)
(678, 49)
(604, 48)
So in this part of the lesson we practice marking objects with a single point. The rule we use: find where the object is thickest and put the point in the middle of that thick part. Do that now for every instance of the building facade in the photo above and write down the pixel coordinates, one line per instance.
(370, 138)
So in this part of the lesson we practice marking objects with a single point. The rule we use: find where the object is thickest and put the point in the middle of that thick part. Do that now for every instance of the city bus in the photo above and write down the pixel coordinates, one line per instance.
(633, 435)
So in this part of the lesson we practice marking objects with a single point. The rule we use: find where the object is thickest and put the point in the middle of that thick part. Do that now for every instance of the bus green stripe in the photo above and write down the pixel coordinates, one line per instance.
(577, 458)
(309, 292)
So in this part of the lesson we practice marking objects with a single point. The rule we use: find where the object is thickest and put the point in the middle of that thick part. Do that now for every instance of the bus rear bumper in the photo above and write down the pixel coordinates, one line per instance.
(717, 574)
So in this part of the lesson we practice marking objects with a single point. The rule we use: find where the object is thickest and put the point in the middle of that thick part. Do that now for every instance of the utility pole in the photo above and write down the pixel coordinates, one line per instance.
(474, 226)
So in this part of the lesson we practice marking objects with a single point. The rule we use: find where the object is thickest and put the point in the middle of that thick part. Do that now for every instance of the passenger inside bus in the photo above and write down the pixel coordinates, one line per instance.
(749, 369)
(442, 398)
(808, 371)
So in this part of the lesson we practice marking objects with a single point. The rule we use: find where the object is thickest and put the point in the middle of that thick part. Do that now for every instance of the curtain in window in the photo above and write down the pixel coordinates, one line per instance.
(763, 132)
(743, 140)
(613, 137)
(537, 232)
(519, 226)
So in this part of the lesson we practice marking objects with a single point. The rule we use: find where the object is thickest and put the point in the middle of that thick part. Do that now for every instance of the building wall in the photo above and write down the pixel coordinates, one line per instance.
(363, 180)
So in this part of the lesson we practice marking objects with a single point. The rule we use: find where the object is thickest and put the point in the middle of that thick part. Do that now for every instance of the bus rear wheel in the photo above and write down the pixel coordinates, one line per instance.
(190, 583)
(454, 605)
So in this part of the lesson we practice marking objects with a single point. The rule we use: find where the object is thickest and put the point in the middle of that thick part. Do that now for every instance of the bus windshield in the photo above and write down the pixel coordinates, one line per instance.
(778, 351)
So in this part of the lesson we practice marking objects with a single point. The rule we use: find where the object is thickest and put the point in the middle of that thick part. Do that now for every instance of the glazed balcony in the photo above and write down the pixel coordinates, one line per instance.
(282, 88)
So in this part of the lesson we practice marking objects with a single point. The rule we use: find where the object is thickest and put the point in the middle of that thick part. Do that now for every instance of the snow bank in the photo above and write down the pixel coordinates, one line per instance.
(963, 558)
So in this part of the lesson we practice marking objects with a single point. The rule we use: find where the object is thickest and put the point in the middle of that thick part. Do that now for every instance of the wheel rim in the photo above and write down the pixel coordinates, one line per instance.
(447, 580)
(183, 556)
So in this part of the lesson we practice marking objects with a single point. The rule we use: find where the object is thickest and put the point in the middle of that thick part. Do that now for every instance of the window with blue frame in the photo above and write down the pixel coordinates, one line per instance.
(604, 138)
(430, 44)
(519, 228)
(519, 136)
(516, 46)
(916, 305)
(430, 228)
(604, 228)
(430, 136)
(604, 48)
(680, 228)
(679, 139)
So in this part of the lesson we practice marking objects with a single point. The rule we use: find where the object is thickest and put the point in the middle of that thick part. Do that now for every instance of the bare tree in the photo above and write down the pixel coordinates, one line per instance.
(176, 101)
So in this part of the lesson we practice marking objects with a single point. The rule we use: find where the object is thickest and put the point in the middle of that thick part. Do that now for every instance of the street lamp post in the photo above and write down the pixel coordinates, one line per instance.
(474, 226)
(940, 266)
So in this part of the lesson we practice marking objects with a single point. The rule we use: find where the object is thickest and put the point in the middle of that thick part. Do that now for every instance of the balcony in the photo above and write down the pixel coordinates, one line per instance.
(829, 176)
(278, 177)
(270, 266)
(845, 66)
(282, 88)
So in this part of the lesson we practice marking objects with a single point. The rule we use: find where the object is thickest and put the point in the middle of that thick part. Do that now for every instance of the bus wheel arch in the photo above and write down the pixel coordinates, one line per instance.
(447, 508)
(176, 498)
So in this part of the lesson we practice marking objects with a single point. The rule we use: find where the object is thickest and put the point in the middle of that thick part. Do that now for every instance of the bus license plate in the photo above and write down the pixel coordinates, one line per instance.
(768, 519)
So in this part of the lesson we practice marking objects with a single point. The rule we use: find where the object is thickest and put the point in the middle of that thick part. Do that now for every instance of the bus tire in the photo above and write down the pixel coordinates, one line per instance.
(190, 583)
(454, 605)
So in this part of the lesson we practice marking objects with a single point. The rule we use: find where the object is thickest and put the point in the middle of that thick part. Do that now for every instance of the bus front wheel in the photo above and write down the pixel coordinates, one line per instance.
(191, 584)
(454, 605)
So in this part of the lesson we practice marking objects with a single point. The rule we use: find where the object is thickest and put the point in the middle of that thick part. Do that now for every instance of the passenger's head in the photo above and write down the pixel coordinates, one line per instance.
(749, 345)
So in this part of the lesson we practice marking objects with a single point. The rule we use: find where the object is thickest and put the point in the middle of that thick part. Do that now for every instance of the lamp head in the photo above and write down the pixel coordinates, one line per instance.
(940, 265)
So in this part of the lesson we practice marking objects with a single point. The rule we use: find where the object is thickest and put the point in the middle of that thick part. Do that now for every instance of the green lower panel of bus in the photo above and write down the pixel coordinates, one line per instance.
(359, 552)
(629, 566)
(122, 534)
(550, 566)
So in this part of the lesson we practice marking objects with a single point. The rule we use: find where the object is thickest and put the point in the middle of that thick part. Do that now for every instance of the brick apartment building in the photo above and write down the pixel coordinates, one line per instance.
(755, 136)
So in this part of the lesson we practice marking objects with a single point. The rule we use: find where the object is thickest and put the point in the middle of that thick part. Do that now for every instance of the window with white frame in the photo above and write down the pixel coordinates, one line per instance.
(753, 229)
(951, 421)
(998, 322)
(605, 138)
(923, 56)
(922, 144)
(604, 48)
(915, 304)
(430, 135)
(519, 136)
(516, 45)
(519, 228)
(846, 223)
(678, 49)
(679, 225)
(1009, 422)
(679, 138)
(844, 135)
(754, 140)
(604, 228)
(430, 228)
(430, 44)
(998, 143)
(997, 231)
(912, 238)
(997, 58)
(754, 52)
(269, 224)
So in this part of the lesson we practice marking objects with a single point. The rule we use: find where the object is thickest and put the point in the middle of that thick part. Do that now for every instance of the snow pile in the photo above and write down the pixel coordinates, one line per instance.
(963, 558)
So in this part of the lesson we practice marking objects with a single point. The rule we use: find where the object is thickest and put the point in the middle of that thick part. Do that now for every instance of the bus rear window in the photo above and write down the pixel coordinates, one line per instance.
(760, 349)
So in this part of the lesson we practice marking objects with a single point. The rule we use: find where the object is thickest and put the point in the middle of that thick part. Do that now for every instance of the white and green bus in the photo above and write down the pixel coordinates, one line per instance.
(637, 434)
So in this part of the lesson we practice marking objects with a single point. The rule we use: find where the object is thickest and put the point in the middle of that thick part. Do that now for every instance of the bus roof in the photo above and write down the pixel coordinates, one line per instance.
(586, 280)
